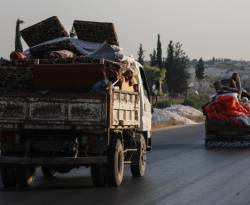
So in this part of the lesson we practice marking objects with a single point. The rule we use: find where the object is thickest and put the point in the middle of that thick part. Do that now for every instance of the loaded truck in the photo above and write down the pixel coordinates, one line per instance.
(68, 127)
(52, 118)
(227, 117)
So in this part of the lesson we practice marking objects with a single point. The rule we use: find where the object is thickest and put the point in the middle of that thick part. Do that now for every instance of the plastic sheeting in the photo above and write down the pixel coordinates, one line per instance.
(86, 48)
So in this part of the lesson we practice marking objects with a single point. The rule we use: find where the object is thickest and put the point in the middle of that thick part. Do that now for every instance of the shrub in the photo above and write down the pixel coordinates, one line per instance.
(163, 104)
(196, 101)
(167, 102)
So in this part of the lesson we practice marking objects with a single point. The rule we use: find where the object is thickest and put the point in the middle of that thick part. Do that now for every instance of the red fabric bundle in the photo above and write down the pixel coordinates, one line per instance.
(17, 56)
(226, 108)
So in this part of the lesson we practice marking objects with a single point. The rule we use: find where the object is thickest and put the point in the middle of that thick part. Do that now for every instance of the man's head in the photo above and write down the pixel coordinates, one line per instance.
(235, 76)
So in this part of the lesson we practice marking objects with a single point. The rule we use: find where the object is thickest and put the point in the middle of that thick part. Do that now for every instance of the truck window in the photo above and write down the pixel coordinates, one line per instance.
(145, 83)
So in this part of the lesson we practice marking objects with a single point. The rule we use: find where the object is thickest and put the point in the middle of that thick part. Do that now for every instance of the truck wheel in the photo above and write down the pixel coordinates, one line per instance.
(48, 172)
(138, 166)
(115, 166)
(8, 173)
(25, 175)
(98, 175)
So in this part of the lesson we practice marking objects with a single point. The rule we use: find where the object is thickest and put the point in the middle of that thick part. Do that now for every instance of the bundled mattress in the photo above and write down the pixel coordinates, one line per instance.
(228, 108)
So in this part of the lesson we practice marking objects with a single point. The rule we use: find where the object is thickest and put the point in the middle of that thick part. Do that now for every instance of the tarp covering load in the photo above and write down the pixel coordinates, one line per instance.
(228, 108)
(78, 47)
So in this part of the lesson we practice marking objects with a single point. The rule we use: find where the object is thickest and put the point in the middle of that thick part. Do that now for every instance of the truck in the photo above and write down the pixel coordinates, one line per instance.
(65, 129)
(50, 119)
(227, 121)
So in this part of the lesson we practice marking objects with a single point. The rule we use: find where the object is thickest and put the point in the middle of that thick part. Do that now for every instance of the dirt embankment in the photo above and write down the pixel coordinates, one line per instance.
(176, 115)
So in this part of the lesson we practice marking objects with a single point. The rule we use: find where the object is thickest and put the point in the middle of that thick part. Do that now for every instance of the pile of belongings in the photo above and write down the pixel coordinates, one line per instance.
(228, 108)
(50, 43)
(48, 39)
(125, 77)
(15, 79)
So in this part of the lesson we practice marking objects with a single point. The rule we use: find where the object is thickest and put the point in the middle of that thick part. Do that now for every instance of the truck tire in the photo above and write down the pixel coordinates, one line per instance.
(115, 165)
(8, 174)
(98, 175)
(48, 172)
(138, 166)
(25, 175)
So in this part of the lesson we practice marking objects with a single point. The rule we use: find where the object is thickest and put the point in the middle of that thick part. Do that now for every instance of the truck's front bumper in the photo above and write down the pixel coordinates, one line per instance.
(54, 161)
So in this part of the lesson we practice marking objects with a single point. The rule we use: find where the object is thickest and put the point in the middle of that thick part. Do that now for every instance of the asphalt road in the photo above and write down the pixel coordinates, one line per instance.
(180, 171)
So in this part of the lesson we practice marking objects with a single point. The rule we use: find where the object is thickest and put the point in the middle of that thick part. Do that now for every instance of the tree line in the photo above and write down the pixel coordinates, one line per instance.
(172, 70)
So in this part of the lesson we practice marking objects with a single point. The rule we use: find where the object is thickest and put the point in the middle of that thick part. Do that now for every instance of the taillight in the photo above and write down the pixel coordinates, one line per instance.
(92, 140)
(6, 136)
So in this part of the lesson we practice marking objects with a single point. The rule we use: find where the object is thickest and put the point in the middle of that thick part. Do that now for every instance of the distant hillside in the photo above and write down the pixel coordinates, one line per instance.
(220, 69)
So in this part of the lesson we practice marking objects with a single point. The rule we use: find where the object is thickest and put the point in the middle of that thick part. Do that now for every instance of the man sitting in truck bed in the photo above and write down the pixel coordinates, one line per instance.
(235, 83)
(231, 85)
(222, 89)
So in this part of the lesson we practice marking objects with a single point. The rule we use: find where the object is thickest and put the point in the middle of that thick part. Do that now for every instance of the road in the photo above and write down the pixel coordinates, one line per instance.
(180, 171)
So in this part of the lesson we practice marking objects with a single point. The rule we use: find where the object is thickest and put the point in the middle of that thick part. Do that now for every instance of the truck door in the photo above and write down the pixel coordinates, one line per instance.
(146, 115)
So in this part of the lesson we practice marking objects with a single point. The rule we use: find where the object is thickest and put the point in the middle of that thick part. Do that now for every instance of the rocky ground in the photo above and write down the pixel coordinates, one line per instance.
(176, 115)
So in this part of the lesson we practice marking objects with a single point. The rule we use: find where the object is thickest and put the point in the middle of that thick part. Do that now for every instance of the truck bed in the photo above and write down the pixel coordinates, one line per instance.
(224, 134)
(91, 112)
(226, 129)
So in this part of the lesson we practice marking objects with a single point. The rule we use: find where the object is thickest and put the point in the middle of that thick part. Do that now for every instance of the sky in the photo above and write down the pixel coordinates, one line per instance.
(206, 28)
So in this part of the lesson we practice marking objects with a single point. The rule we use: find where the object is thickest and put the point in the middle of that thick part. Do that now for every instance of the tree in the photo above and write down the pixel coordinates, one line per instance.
(199, 71)
(169, 65)
(18, 42)
(141, 55)
(181, 66)
(159, 52)
(153, 58)
(155, 77)
(176, 65)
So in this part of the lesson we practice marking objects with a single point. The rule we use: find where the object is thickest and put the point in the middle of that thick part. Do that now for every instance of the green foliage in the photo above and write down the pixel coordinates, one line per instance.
(193, 100)
(196, 101)
(170, 67)
(163, 104)
(199, 70)
(153, 58)
(167, 102)
(18, 43)
(176, 65)
(140, 55)
(155, 76)
(159, 53)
